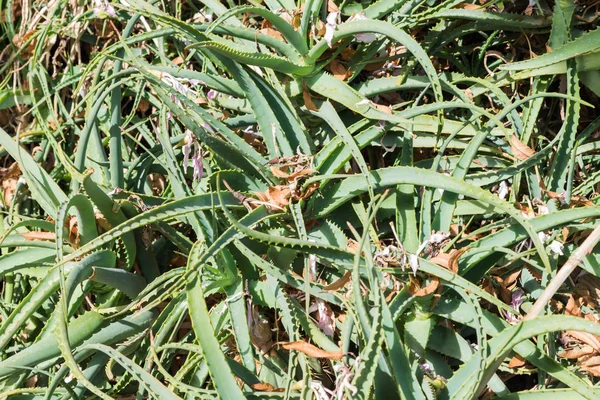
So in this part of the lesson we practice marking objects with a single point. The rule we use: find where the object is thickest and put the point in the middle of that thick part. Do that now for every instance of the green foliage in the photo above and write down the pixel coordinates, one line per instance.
(375, 199)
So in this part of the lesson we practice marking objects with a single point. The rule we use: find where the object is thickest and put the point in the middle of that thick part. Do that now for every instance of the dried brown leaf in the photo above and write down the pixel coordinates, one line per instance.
(340, 283)
(312, 351)
(308, 102)
(338, 70)
(266, 387)
(332, 7)
(417, 291)
(520, 150)
(8, 179)
(516, 362)
(576, 353)
(47, 236)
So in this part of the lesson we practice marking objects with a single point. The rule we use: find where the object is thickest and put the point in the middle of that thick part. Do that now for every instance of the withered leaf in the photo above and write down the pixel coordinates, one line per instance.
(308, 102)
(39, 236)
(416, 289)
(338, 70)
(340, 283)
(266, 387)
(576, 353)
(311, 351)
(520, 150)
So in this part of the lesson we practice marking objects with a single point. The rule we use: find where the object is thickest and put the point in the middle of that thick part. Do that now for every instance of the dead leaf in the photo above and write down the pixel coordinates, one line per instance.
(312, 351)
(9, 178)
(382, 108)
(338, 70)
(520, 150)
(587, 338)
(352, 246)
(417, 291)
(565, 233)
(46, 236)
(278, 195)
(576, 353)
(278, 172)
(441, 259)
(454, 257)
(266, 387)
(347, 53)
(466, 6)
(308, 102)
(332, 7)
(340, 283)
(516, 362)
(273, 33)
(511, 279)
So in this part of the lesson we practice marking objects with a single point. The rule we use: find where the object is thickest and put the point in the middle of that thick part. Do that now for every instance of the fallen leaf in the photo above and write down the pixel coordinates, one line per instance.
(311, 351)
(454, 257)
(308, 102)
(511, 279)
(332, 7)
(441, 259)
(516, 362)
(47, 236)
(383, 108)
(417, 291)
(587, 338)
(338, 70)
(576, 353)
(266, 387)
(520, 150)
(340, 283)
(278, 172)
(9, 178)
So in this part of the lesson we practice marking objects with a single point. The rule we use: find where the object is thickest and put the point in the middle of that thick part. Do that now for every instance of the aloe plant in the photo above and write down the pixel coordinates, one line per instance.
(304, 199)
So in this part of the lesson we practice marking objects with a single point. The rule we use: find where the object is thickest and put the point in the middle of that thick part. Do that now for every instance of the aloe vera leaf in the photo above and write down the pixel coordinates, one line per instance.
(550, 394)
(43, 188)
(246, 158)
(26, 258)
(288, 32)
(470, 264)
(502, 344)
(219, 369)
(41, 292)
(559, 170)
(86, 221)
(366, 370)
(281, 132)
(495, 20)
(114, 217)
(284, 276)
(389, 30)
(353, 186)
(338, 91)
(153, 385)
(587, 43)
(199, 221)
(77, 275)
(493, 325)
(329, 115)
(81, 328)
(400, 364)
(239, 320)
